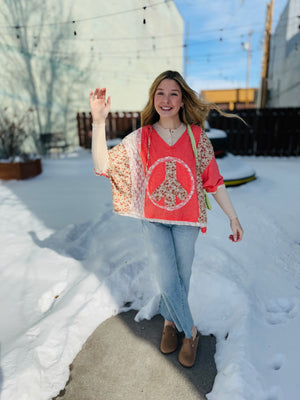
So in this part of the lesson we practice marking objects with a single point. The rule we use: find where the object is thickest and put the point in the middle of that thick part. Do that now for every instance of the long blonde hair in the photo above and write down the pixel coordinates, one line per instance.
(194, 110)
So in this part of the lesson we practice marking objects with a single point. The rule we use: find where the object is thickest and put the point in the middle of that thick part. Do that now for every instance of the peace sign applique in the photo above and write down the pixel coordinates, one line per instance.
(174, 193)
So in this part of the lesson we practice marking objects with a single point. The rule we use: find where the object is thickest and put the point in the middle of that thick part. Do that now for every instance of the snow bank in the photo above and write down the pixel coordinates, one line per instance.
(67, 263)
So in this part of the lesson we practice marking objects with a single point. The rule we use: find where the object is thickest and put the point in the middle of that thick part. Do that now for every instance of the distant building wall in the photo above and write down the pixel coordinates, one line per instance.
(284, 65)
(120, 45)
(231, 99)
(129, 49)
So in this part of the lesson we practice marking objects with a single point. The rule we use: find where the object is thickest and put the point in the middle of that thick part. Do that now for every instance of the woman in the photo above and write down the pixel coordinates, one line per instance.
(160, 173)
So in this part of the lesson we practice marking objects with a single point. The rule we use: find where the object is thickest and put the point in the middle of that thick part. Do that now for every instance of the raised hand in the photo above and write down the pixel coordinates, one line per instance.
(99, 105)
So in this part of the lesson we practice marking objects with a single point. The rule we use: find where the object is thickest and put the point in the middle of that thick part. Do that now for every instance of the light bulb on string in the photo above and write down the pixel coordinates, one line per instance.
(144, 20)
(75, 33)
(153, 43)
(17, 27)
(221, 38)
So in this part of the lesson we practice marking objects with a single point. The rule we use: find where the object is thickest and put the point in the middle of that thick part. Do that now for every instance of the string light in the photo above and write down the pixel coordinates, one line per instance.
(137, 52)
(138, 56)
(18, 27)
(92, 18)
(75, 33)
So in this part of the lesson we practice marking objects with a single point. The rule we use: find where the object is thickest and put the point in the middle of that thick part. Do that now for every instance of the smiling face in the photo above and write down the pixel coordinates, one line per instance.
(168, 100)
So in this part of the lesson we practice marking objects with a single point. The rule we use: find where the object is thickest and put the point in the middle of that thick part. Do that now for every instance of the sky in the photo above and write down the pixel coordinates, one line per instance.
(217, 58)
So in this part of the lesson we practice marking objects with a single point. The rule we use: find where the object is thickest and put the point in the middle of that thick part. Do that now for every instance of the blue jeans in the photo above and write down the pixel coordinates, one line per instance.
(171, 252)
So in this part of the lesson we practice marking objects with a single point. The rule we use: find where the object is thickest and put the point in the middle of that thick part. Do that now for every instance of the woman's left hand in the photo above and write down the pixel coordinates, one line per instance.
(237, 230)
(99, 105)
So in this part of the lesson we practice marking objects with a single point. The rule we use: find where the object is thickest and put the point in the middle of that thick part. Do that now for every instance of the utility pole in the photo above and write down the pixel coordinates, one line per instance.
(248, 68)
(266, 56)
(186, 50)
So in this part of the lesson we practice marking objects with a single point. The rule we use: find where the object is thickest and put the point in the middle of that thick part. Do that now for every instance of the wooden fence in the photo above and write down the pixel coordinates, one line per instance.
(269, 132)
(118, 125)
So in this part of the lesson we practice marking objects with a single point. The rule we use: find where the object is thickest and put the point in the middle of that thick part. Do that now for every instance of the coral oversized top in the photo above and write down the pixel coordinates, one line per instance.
(153, 180)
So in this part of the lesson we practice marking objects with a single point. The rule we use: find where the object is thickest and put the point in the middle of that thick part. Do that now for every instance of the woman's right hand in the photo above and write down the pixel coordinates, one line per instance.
(99, 106)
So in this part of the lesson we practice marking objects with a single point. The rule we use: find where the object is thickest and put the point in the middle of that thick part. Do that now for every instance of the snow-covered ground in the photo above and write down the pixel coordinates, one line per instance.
(67, 263)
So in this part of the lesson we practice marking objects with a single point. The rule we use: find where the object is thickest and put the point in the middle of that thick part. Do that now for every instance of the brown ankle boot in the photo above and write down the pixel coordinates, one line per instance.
(169, 340)
(188, 351)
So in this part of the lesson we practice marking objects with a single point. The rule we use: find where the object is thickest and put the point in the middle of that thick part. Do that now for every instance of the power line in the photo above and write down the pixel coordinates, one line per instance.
(234, 27)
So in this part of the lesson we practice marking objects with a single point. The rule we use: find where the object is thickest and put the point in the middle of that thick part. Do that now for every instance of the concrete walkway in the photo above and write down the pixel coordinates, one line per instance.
(121, 361)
